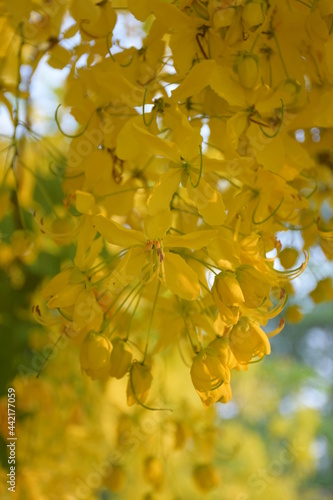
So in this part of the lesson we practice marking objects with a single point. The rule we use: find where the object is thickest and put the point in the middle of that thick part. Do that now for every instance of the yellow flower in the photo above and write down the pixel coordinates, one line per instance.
(63, 290)
(206, 477)
(121, 358)
(139, 383)
(209, 374)
(153, 471)
(116, 479)
(248, 340)
(228, 296)
(95, 355)
(170, 267)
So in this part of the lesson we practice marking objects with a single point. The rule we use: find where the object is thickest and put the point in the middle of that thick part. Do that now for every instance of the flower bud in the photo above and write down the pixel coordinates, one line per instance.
(228, 296)
(209, 374)
(248, 71)
(115, 481)
(206, 477)
(207, 371)
(120, 359)
(139, 384)
(95, 355)
(153, 471)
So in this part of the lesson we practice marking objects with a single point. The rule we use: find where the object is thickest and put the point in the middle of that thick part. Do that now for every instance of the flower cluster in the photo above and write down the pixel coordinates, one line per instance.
(187, 164)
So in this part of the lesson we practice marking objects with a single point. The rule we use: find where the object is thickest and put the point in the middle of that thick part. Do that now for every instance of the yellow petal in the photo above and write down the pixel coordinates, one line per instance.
(171, 16)
(157, 225)
(87, 246)
(84, 202)
(140, 10)
(209, 203)
(128, 269)
(56, 284)
(193, 241)
(161, 195)
(87, 312)
(116, 233)
(141, 380)
(180, 278)
(227, 88)
(156, 145)
(66, 297)
(196, 80)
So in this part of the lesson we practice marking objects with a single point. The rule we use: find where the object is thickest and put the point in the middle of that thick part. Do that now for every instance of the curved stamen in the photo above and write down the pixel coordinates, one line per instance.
(269, 216)
(112, 57)
(79, 134)
(143, 110)
(200, 171)
(279, 126)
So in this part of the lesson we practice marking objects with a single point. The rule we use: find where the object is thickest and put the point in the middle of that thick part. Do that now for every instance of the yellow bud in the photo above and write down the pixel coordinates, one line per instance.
(288, 257)
(181, 435)
(22, 242)
(248, 340)
(207, 371)
(323, 291)
(153, 471)
(294, 314)
(121, 358)
(253, 14)
(115, 481)
(206, 477)
(95, 355)
(139, 384)
(220, 346)
(228, 289)
(209, 374)
(228, 296)
(225, 393)
(248, 71)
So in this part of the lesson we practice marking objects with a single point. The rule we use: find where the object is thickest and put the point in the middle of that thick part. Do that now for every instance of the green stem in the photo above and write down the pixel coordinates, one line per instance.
(131, 318)
(280, 54)
(151, 320)
(194, 348)
(269, 216)
(138, 400)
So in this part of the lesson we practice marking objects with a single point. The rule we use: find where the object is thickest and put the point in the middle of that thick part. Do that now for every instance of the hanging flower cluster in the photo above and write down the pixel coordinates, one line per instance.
(187, 164)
